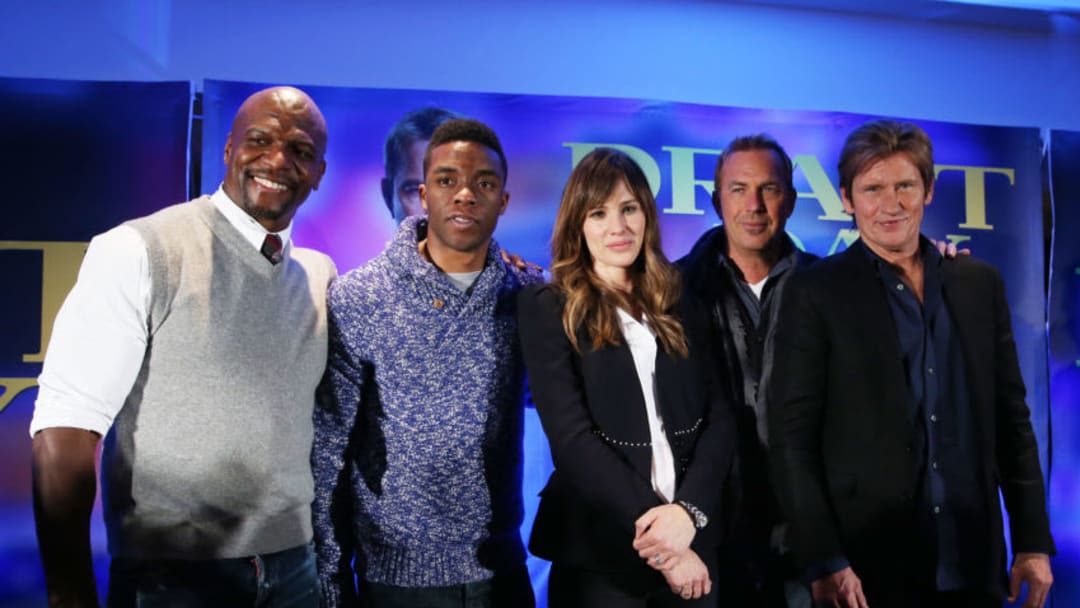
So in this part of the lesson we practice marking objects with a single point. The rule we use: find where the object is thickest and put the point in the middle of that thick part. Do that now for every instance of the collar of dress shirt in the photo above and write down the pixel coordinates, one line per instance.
(252, 231)
(631, 325)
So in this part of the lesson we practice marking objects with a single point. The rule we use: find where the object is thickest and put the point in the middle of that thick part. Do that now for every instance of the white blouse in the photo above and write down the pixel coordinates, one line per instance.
(642, 343)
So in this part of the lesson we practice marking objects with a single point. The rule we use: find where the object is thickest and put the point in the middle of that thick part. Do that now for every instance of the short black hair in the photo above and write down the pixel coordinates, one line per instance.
(464, 129)
(414, 126)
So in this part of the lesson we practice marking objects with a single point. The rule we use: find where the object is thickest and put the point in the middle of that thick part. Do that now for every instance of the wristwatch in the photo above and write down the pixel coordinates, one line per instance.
(700, 519)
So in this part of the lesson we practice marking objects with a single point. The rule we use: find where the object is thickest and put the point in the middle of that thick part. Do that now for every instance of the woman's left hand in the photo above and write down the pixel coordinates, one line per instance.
(663, 534)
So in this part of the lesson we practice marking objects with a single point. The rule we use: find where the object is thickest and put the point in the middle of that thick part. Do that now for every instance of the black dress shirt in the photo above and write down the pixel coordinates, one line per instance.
(940, 411)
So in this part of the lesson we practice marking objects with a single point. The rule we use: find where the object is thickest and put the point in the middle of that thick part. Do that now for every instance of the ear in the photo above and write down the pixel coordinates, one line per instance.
(849, 208)
(929, 195)
(505, 202)
(716, 203)
(228, 148)
(422, 190)
(322, 172)
(387, 185)
(789, 204)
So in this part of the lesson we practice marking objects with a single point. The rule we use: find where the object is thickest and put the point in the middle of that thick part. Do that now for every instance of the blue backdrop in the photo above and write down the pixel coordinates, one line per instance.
(120, 150)
(78, 158)
(988, 195)
(1064, 333)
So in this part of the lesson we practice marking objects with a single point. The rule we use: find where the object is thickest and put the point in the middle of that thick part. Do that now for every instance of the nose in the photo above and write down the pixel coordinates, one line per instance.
(617, 224)
(894, 201)
(276, 156)
(465, 196)
(756, 202)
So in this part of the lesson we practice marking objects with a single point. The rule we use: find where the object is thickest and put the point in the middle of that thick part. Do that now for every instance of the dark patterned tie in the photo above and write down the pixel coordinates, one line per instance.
(271, 248)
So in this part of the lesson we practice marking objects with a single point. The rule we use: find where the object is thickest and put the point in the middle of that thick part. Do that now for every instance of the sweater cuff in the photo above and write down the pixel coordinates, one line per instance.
(338, 592)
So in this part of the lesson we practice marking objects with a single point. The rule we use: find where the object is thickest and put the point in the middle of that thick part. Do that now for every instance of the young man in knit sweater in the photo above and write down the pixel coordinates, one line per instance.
(419, 423)
(194, 338)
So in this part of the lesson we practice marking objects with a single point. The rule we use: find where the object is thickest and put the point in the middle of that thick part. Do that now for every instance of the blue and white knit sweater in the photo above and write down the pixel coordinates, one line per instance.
(418, 429)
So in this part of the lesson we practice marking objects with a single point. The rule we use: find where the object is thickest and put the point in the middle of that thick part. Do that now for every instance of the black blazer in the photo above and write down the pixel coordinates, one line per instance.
(593, 412)
(841, 431)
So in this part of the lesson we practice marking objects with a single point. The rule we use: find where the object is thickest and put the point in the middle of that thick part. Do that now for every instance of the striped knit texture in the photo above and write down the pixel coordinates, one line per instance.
(418, 428)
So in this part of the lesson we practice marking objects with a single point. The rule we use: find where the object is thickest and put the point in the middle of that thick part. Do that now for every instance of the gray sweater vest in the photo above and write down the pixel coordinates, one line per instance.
(209, 457)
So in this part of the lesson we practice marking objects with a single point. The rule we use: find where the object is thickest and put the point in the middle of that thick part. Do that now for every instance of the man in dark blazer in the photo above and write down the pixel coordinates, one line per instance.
(740, 271)
(896, 407)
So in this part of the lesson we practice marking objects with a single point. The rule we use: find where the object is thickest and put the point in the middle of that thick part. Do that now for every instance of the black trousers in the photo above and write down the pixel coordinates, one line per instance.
(958, 599)
(930, 598)
(570, 587)
(510, 588)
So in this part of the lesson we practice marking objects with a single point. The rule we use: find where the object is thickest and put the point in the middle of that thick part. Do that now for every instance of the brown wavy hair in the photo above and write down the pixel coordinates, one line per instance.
(590, 303)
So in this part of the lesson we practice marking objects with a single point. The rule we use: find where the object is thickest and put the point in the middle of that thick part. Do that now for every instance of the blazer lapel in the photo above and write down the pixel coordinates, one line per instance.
(873, 324)
(619, 410)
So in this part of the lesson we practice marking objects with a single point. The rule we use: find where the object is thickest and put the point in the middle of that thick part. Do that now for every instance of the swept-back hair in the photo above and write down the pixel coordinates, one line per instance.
(760, 141)
(590, 302)
(879, 139)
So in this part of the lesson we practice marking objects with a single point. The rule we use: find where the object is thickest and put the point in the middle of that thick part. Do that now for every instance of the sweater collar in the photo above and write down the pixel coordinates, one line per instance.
(404, 254)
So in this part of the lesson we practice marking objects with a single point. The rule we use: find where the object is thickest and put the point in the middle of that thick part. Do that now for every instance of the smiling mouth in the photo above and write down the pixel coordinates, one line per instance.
(461, 220)
(269, 184)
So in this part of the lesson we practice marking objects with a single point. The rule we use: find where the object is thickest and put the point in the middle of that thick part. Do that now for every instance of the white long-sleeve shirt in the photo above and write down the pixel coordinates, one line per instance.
(100, 333)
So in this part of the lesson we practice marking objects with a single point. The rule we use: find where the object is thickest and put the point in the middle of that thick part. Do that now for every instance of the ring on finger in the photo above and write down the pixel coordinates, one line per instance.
(658, 559)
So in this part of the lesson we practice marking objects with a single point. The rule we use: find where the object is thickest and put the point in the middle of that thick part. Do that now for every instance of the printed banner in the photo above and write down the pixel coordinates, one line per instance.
(988, 195)
(78, 158)
(987, 198)
(114, 151)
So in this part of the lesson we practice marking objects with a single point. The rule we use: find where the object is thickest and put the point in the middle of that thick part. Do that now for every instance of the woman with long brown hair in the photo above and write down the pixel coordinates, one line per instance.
(619, 368)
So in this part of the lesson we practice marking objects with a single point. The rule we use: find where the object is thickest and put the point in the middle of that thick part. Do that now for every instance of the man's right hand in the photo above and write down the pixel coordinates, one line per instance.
(841, 589)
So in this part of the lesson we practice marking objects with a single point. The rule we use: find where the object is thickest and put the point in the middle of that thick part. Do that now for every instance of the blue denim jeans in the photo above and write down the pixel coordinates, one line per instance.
(285, 579)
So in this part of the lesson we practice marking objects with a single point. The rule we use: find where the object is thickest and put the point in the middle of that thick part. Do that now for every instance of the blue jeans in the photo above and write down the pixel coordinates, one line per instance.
(285, 579)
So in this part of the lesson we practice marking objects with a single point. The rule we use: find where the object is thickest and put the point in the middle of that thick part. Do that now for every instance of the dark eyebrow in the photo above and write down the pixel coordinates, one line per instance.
(486, 172)
(301, 139)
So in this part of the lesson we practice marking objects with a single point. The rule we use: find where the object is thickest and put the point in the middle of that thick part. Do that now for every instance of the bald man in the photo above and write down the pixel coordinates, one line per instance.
(193, 342)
